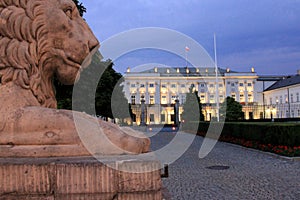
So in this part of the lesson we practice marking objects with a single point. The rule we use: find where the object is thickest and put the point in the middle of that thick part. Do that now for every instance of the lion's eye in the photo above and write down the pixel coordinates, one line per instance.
(68, 12)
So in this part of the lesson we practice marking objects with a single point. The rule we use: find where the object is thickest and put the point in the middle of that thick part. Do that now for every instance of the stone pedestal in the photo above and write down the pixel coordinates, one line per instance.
(80, 178)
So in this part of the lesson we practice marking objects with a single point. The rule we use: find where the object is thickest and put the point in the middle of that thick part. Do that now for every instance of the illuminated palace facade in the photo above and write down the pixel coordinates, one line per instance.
(160, 87)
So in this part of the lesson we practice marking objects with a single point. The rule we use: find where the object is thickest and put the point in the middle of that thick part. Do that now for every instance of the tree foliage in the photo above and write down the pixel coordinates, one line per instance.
(192, 107)
(80, 7)
(231, 110)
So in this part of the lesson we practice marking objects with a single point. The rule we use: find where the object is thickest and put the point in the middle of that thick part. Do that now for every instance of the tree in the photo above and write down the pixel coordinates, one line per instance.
(192, 107)
(80, 7)
(231, 110)
(110, 98)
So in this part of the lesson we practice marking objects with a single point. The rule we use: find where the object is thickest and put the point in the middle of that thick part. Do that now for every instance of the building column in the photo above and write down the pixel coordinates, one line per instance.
(157, 93)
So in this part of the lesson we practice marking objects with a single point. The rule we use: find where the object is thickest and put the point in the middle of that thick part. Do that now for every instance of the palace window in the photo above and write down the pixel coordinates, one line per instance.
(163, 99)
(133, 99)
(151, 117)
(132, 85)
(233, 96)
(152, 99)
(151, 85)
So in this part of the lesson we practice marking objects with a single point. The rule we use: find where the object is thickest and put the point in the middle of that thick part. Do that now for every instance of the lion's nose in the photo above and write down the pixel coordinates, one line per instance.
(93, 43)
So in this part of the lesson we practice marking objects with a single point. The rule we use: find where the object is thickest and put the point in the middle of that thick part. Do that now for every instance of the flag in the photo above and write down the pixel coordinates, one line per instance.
(187, 48)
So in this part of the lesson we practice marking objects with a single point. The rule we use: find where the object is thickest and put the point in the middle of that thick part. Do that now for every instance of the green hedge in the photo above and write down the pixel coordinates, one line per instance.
(287, 134)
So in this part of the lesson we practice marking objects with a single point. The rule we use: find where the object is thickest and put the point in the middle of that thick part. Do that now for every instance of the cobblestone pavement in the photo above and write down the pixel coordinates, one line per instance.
(251, 175)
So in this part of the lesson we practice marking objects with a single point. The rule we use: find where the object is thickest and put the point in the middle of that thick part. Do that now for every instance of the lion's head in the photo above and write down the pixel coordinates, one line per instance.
(40, 39)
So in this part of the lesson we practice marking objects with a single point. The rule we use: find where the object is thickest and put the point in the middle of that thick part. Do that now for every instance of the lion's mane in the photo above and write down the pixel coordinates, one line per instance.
(22, 48)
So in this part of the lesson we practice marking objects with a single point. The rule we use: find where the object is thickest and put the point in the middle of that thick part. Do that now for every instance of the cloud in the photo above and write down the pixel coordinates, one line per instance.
(248, 32)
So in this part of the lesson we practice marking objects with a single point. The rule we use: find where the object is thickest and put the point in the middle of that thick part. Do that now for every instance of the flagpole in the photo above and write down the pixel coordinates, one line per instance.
(217, 80)
(186, 50)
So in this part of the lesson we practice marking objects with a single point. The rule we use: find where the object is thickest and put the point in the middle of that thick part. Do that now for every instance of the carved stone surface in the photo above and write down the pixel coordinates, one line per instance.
(80, 178)
(40, 39)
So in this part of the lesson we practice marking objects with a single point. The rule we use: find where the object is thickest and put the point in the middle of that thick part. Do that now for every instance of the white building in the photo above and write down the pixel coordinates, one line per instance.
(160, 87)
(282, 99)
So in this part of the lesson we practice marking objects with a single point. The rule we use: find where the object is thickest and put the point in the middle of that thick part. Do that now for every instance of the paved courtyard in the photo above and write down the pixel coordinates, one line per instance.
(251, 174)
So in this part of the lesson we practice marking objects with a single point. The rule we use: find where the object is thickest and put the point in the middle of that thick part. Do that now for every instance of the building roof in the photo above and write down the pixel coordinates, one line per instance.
(288, 81)
(182, 71)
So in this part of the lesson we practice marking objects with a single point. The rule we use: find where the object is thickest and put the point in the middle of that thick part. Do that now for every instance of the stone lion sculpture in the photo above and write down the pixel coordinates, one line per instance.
(40, 39)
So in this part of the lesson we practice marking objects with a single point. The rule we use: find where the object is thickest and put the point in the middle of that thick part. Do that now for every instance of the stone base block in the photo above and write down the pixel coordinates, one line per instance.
(80, 178)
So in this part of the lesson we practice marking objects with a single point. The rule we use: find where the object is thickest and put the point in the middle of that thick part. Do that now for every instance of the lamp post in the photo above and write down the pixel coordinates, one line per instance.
(176, 111)
(143, 111)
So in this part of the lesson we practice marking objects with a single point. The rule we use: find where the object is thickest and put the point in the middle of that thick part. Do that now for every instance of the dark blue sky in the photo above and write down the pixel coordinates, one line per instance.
(264, 34)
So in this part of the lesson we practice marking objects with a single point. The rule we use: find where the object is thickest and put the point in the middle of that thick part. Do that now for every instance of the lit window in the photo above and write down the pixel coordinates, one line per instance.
(163, 99)
(233, 96)
(133, 99)
(152, 99)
